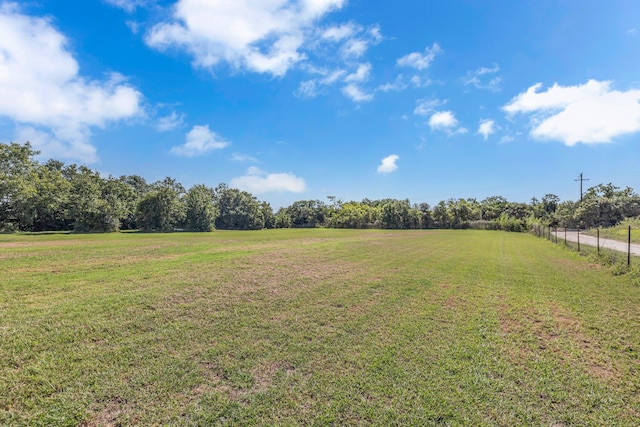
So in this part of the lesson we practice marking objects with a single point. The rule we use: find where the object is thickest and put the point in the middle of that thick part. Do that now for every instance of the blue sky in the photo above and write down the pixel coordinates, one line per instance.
(294, 100)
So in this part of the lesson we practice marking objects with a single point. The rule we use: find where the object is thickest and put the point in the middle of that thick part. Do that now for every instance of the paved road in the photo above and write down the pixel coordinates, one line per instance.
(614, 245)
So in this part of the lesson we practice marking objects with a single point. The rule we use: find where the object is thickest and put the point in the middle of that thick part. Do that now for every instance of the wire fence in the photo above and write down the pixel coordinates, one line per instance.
(620, 249)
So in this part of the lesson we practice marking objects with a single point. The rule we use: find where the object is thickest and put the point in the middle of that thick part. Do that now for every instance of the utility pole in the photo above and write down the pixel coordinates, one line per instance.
(581, 179)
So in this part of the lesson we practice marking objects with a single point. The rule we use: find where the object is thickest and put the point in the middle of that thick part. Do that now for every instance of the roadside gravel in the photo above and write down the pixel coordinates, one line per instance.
(614, 245)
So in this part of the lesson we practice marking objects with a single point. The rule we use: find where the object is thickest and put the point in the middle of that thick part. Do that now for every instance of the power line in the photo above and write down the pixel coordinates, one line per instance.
(581, 179)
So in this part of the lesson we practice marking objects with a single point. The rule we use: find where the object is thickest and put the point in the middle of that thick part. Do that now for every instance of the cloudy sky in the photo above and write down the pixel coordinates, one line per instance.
(304, 99)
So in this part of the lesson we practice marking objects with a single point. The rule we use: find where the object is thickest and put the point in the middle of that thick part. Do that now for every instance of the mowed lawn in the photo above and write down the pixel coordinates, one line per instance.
(313, 327)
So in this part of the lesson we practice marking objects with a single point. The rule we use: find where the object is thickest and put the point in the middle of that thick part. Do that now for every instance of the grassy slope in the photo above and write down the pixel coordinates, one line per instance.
(290, 327)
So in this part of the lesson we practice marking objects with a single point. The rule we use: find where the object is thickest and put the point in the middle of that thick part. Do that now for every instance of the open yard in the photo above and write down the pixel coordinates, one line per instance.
(313, 327)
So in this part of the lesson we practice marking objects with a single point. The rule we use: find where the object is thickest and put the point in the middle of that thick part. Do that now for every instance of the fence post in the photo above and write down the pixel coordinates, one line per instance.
(629, 248)
(578, 234)
(565, 236)
(598, 239)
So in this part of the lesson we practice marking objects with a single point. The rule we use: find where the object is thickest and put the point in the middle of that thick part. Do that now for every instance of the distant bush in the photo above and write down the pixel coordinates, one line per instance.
(504, 222)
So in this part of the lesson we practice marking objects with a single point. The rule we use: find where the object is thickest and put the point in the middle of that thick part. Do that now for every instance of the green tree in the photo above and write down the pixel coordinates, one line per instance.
(354, 215)
(492, 207)
(267, 215)
(605, 205)
(307, 213)
(162, 208)
(49, 204)
(117, 204)
(201, 211)
(564, 216)
(140, 188)
(519, 211)
(440, 215)
(282, 219)
(238, 210)
(18, 174)
(44, 208)
(426, 218)
(550, 203)
(398, 214)
(84, 203)
(459, 213)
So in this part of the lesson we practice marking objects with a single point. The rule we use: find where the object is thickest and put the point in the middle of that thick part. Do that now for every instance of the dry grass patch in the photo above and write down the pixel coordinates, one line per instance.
(113, 414)
(552, 331)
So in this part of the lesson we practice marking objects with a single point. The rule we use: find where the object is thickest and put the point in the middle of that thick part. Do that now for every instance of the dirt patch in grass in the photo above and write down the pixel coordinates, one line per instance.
(35, 243)
(265, 374)
(216, 381)
(455, 303)
(111, 414)
(276, 272)
(450, 298)
(597, 363)
(552, 330)
(565, 264)
(94, 263)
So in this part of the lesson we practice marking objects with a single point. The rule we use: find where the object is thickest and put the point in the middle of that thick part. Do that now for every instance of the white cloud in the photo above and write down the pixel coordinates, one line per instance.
(356, 94)
(420, 61)
(442, 120)
(360, 75)
(200, 140)
(479, 81)
(427, 106)
(257, 181)
(590, 113)
(487, 70)
(264, 37)
(375, 34)
(388, 164)
(506, 139)
(42, 91)
(307, 89)
(338, 49)
(398, 84)
(50, 145)
(486, 128)
(134, 26)
(243, 158)
(333, 77)
(314, 87)
(418, 81)
(354, 39)
(353, 90)
(445, 121)
(340, 32)
(355, 48)
(170, 122)
(129, 5)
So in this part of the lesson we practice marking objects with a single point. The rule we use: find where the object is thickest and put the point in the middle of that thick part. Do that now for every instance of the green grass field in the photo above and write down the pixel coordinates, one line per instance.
(313, 327)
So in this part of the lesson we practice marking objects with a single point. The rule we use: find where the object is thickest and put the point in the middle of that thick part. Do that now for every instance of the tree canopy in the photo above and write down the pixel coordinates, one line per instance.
(53, 196)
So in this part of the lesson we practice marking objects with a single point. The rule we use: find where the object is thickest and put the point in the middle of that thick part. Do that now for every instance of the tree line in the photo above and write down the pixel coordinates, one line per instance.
(52, 196)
